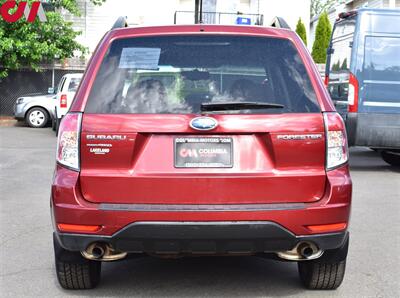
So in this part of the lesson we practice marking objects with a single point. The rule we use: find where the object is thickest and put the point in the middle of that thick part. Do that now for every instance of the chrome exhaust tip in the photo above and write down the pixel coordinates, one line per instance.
(304, 250)
(99, 251)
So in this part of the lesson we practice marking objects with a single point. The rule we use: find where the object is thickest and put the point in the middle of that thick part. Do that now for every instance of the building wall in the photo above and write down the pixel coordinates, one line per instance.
(290, 10)
(95, 21)
(364, 3)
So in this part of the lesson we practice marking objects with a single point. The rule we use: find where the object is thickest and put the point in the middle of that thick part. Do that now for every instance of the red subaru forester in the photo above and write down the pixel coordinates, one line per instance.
(201, 140)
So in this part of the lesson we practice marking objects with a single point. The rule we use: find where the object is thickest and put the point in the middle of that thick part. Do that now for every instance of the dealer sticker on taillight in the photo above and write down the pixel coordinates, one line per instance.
(203, 152)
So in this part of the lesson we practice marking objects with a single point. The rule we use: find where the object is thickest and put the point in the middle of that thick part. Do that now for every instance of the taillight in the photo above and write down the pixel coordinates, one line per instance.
(68, 141)
(326, 81)
(63, 101)
(352, 98)
(337, 152)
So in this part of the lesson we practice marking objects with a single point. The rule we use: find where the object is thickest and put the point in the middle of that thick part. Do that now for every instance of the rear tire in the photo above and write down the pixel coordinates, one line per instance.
(74, 272)
(322, 276)
(391, 158)
(326, 272)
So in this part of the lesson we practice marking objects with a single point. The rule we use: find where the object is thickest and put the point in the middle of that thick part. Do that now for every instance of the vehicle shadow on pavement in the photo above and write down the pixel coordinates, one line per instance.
(193, 277)
(364, 159)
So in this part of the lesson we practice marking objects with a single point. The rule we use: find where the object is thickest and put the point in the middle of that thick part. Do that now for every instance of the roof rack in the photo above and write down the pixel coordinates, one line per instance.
(279, 22)
(121, 22)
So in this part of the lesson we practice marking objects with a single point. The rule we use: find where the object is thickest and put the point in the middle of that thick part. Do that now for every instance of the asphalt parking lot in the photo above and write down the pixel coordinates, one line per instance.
(26, 254)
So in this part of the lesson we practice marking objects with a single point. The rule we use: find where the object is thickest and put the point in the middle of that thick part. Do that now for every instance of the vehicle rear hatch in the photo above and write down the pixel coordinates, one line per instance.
(139, 144)
(131, 159)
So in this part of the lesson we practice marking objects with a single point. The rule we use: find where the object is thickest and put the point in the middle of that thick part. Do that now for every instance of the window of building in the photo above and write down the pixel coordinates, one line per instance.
(186, 5)
(244, 6)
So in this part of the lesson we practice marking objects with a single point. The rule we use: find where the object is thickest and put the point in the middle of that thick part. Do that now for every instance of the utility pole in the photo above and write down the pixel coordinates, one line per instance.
(201, 12)
(198, 11)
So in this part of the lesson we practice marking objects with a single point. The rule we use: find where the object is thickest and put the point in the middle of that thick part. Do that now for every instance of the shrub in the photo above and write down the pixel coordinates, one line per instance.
(301, 31)
(322, 37)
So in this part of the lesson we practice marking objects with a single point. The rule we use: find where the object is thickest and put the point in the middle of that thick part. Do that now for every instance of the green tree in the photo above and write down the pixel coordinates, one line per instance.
(301, 31)
(24, 44)
(322, 37)
(319, 6)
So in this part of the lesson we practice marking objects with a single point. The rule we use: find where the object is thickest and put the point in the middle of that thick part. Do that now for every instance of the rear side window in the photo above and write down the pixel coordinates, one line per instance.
(382, 58)
(176, 74)
(73, 84)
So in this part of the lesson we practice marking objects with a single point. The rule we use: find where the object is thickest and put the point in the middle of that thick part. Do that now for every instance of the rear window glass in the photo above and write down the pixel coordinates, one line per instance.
(340, 59)
(341, 44)
(176, 74)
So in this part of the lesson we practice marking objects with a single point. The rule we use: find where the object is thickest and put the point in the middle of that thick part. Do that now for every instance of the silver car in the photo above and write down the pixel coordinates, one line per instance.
(36, 110)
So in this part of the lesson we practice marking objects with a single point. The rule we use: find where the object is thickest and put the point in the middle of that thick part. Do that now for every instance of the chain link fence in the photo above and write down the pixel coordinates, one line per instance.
(27, 82)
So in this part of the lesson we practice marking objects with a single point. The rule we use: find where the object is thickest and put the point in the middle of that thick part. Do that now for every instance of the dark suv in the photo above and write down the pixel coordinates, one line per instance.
(201, 140)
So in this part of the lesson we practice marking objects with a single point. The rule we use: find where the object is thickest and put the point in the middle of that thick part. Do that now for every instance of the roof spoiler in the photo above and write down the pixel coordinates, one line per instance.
(279, 22)
(345, 15)
(121, 22)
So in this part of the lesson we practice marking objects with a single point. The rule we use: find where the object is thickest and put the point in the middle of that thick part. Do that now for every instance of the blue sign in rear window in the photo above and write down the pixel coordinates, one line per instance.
(243, 21)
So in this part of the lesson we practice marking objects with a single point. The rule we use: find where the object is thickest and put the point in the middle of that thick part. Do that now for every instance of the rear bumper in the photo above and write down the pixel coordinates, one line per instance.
(265, 226)
(373, 130)
(202, 238)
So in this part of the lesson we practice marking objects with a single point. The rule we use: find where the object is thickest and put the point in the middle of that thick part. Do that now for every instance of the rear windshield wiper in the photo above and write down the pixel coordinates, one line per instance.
(244, 105)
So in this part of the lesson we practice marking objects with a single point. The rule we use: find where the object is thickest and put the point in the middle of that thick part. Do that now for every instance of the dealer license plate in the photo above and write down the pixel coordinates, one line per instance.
(203, 152)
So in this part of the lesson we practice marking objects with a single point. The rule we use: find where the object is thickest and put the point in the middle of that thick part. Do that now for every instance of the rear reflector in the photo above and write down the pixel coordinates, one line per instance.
(352, 98)
(77, 228)
(327, 228)
(336, 141)
(63, 101)
(68, 141)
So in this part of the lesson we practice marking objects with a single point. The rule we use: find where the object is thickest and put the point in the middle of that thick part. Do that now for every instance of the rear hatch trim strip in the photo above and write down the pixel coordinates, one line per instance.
(201, 207)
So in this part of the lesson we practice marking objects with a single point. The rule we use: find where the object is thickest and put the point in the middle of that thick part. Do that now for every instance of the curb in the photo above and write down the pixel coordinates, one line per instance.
(8, 121)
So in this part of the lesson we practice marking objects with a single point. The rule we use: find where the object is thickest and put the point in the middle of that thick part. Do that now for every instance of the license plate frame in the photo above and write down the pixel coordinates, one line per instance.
(204, 152)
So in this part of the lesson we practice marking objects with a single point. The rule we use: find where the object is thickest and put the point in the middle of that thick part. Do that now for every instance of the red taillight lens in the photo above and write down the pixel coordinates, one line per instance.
(352, 98)
(68, 141)
(63, 101)
(336, 141)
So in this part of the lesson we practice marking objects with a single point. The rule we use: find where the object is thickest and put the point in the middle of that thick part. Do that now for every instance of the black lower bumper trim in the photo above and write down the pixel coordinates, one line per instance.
(201, 238)
(375, 130)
